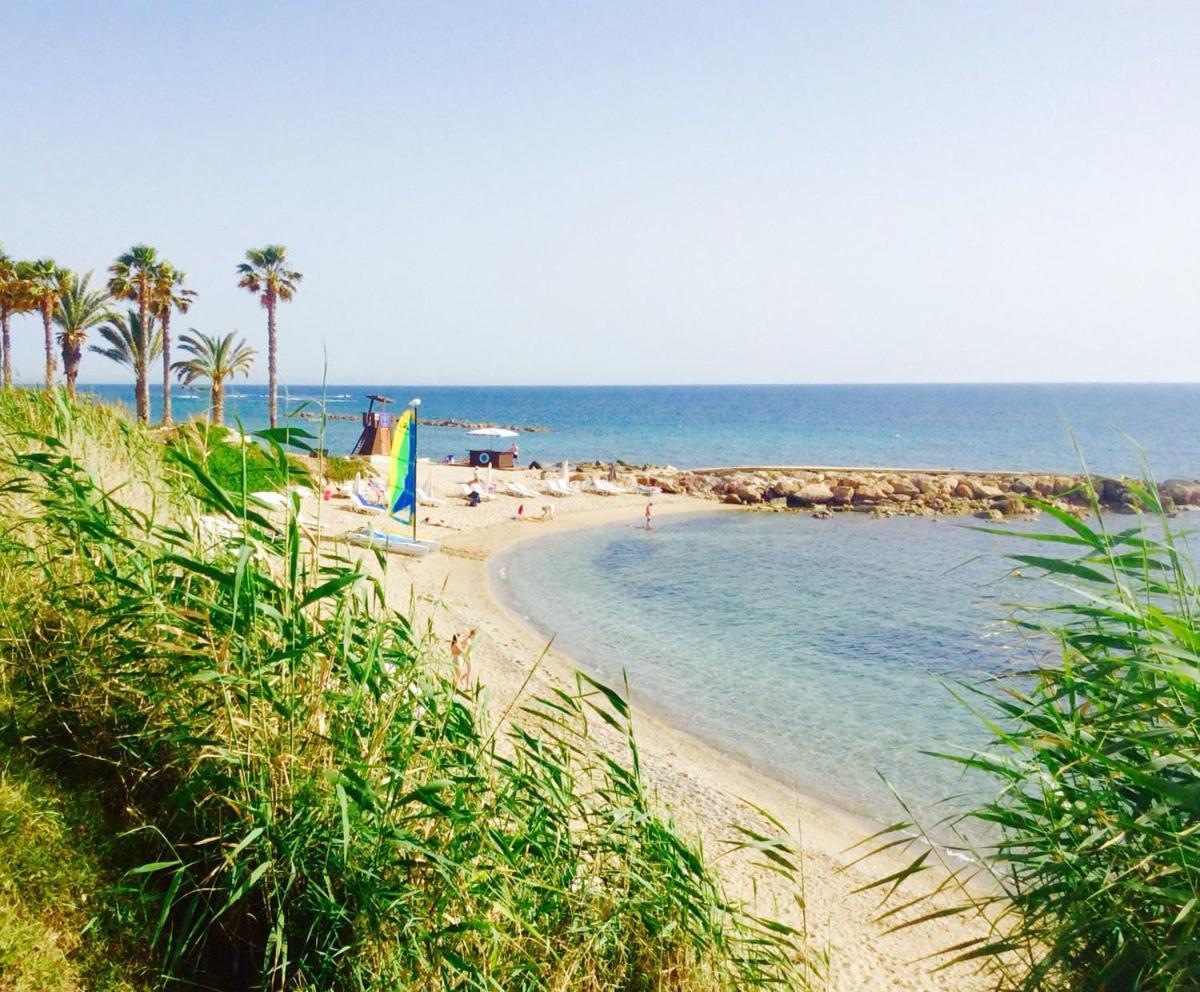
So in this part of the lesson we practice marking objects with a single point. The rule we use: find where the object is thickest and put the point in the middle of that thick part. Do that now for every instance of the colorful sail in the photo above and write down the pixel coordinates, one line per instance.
(402, 481)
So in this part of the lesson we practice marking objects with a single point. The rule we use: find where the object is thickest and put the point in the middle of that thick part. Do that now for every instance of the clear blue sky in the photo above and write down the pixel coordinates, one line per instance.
(632, 192)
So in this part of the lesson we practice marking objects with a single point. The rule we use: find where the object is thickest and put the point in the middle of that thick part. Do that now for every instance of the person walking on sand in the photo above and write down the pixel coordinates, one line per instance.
(460, 653)
(649, 512)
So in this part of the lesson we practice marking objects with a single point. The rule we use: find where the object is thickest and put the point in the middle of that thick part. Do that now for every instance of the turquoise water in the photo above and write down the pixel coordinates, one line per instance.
(818, 650)
(958, 426)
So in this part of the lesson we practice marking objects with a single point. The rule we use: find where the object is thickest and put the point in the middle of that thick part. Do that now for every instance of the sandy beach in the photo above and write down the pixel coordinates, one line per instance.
(706, 790)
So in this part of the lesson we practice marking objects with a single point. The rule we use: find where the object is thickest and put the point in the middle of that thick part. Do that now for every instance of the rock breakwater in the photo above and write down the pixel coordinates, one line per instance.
(887, 492)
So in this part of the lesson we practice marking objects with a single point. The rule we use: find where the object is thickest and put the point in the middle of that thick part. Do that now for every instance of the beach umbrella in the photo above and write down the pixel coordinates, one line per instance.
(566, 475)
(492, 432)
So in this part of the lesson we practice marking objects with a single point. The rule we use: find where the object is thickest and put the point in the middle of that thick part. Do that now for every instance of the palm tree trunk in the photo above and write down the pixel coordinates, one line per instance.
(71, 357)
(166, 345)
(6, 348)
(272, 352)
(51, 364)
(140, 371)
(218, 402)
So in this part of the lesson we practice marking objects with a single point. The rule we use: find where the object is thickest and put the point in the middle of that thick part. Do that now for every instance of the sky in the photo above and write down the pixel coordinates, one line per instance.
(610, 192)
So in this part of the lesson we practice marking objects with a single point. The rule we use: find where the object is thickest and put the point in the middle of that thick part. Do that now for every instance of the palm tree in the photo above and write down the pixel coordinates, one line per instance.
(169, 295)
(80, 308)
(133, 275)
(45, 279)
(216, 359)
(124, 336)
(16, 296)
(265, 273)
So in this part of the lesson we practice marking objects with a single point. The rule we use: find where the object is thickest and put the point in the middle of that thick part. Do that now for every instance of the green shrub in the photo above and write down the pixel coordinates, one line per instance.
(235, 466)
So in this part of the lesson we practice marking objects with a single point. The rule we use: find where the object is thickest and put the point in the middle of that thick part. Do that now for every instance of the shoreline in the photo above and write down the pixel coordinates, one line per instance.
(703, 787)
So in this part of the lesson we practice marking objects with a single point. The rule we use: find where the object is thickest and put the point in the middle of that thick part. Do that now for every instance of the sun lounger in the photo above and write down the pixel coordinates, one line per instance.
(649, 490)
(556, 487)
(426, 500)
(606, 488)
(516, 489)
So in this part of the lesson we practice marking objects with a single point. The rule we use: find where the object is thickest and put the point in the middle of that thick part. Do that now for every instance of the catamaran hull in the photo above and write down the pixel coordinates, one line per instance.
(397, 544)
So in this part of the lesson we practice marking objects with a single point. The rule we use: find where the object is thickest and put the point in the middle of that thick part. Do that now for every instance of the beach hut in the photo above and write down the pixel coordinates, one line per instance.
(491, 457)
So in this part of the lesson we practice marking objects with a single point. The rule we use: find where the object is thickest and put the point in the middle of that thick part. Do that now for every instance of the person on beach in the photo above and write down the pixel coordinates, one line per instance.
(520, 511)
(649, 512)
(460, 653)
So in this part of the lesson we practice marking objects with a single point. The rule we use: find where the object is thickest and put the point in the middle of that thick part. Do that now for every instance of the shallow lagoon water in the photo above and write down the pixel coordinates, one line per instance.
(819, 651)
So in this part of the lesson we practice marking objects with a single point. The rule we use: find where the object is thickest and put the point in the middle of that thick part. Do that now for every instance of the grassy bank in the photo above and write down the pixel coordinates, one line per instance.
(291, 792)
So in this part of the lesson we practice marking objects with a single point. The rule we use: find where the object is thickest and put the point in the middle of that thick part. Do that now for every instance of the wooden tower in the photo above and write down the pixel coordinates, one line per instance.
(376, 436)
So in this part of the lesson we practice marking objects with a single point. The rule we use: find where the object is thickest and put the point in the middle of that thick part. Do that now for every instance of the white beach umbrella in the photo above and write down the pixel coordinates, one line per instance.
(566, 473)
(492, 432)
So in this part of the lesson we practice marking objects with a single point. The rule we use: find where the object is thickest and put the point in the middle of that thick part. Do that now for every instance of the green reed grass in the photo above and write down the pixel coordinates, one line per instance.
(315, 805)
(1093, 880)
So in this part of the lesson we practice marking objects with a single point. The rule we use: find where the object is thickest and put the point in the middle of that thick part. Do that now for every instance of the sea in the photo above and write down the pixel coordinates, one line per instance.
(1025, 427)
(833, 655)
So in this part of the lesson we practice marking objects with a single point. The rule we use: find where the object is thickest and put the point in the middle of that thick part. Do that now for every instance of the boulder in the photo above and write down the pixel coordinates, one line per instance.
(984, 490)
(812, 494)
(963, 491)
(1182, 491)
(867, 492)
(842, 494)
(989, 514)
(1023, 484)
(1010, 505)
(904, 487)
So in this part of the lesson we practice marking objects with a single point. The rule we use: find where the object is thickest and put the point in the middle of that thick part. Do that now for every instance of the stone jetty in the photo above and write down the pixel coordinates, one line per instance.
(888, 492)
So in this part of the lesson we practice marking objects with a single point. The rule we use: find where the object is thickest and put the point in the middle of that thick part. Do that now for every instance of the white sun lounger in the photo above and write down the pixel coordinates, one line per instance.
(556, 487)
(426, 500)
(516, 489)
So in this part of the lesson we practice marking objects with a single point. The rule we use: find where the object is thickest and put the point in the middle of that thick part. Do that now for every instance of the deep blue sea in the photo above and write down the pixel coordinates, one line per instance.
(954, 426)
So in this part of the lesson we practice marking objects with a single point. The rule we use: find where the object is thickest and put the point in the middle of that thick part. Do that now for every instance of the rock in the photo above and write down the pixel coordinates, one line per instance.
(1114, 492)
(1024, 484)
(899, 498)
(812, 494)
(904, 487)
(842, 494)
(1181, 491)
(1009, 505)
(782, 487)
(867, 492)
(983, 490)
(822, 513)
(989, 514)
(963, 491)
(731, 498)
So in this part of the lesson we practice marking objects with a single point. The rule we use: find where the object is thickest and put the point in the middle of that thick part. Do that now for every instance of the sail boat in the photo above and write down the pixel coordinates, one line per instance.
(402, 494)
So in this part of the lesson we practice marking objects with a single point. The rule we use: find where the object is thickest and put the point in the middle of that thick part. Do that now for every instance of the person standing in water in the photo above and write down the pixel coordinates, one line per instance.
(649, 512)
